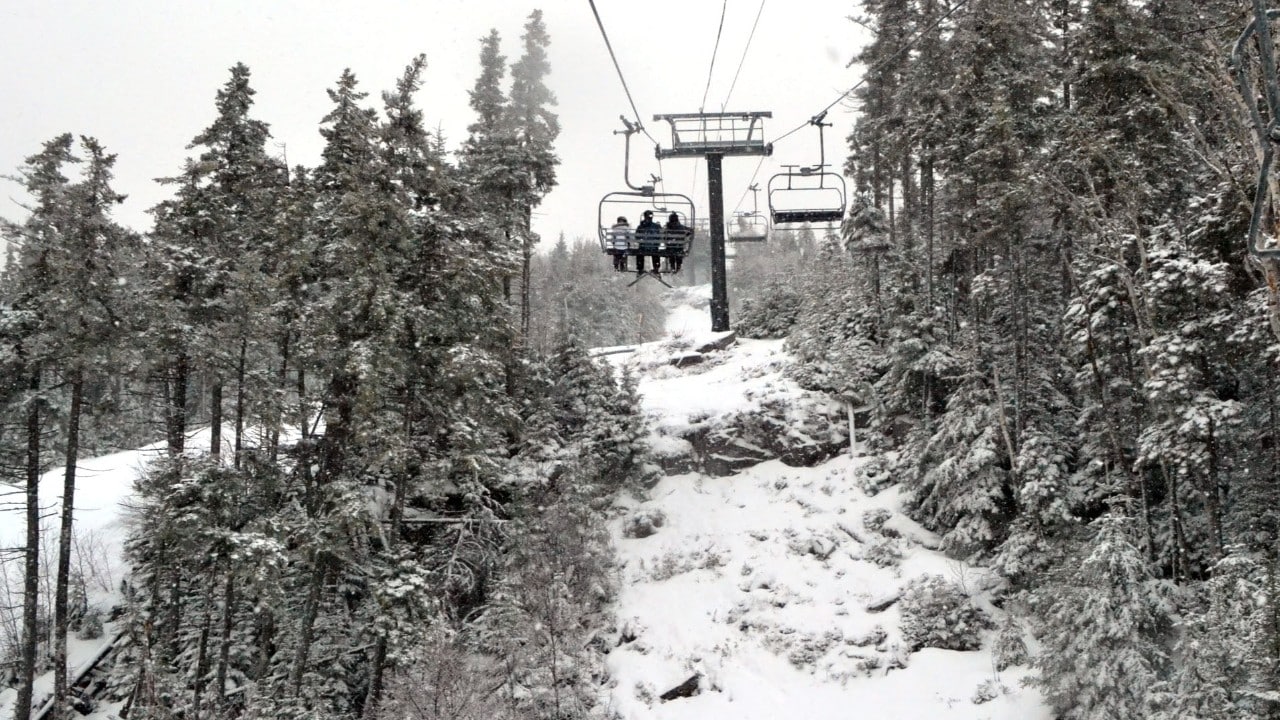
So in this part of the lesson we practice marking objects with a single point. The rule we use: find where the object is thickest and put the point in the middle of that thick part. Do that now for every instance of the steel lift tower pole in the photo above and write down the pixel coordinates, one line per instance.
(715, 136)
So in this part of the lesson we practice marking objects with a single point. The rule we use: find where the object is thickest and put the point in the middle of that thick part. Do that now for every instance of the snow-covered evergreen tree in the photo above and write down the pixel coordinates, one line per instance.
(1103, 623)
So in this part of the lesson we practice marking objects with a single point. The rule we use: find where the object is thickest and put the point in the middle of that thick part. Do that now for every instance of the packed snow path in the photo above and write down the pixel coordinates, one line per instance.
(767, 589)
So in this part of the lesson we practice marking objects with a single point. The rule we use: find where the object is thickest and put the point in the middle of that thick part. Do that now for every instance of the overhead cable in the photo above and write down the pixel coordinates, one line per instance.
(734, 84)
(714, 51)
(905, 47)
(617, 67)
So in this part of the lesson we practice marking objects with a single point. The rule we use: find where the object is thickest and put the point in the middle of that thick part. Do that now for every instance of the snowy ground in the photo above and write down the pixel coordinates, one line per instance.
(760, 582)
(103, 488)
(103, 485)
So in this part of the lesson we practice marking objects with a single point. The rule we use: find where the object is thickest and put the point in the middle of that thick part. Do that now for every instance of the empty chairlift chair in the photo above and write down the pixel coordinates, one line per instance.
(807, 194)
(748, 227)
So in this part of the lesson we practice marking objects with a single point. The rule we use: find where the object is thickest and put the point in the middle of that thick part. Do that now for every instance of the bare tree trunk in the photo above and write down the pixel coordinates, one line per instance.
(173, 621)
(526, 248)
(277, 413)
(31, 557)
(265, 638)
(202, 654)
(224, 649)
(376, 672)
(926, 189)
(303, 418)
(1213, 502)
(215, 418)
(306, 631)
(1181, 551)
(239, 445)
(525, 276)
(61, 609)
(175, 424)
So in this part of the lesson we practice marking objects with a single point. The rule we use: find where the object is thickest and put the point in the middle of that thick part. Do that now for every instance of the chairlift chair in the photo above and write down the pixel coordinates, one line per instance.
(748, 227)
(808, 193)
(632, 205)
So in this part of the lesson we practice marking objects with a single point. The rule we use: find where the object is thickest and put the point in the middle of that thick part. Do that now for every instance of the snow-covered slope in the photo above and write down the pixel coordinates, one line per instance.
(103, 486)
(769, 585)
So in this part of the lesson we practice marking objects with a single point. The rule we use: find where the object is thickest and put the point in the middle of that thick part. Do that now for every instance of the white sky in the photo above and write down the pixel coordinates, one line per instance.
(141, 76)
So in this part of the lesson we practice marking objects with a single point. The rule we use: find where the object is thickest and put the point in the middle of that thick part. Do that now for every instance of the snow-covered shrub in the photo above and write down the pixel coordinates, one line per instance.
(873, 476)
(873, 637)
(677, 341)
(987, 690)
(772, 314)
(937, 613)
(884, 554)
(643, 523)
(806, 650)
(644, 693)
(668, 566)
(91, 624)
(875, 519)
(1009, 648)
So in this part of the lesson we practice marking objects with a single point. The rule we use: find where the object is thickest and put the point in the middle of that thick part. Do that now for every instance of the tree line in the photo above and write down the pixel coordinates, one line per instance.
(378, 488)
(1068, 348)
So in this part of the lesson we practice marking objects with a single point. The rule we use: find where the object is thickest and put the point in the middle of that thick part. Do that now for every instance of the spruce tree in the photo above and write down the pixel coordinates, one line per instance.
(93, 317)
(27, 352)
(536, 128)
(1103, 620)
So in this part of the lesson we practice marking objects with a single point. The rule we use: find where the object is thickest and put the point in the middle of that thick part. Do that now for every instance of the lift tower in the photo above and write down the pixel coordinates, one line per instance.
(715, 136)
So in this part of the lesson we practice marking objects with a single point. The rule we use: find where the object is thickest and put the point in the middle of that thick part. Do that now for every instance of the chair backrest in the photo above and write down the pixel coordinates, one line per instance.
(618, 238)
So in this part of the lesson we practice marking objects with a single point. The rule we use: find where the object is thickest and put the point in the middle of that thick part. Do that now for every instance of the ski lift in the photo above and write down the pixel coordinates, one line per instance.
(1266, 128)
(620, 239)
(748, 226)
(807, 193)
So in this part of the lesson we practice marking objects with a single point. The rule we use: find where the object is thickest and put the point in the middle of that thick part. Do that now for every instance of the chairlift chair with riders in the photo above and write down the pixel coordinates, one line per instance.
(807, 193)
(619, 239)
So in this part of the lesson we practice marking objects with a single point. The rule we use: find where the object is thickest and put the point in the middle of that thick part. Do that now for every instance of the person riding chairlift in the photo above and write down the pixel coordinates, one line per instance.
(619, 234)
(648, 236)
(676, 229)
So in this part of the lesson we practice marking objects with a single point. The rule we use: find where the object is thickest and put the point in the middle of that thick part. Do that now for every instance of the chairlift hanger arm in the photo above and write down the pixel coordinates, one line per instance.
(632, 129)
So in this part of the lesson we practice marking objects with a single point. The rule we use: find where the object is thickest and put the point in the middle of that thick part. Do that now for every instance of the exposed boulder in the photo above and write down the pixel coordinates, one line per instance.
(688, 688)
(720, 343)
(800, 434)
(687, 358)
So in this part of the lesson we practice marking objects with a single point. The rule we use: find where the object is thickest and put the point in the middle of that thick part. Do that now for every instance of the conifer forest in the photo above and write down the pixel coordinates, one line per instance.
(388, 459)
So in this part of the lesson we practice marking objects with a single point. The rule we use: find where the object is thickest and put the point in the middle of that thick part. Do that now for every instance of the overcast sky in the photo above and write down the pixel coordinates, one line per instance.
(141, 76)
